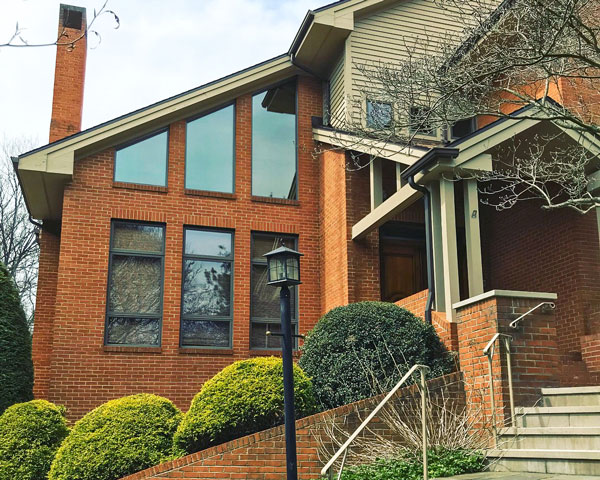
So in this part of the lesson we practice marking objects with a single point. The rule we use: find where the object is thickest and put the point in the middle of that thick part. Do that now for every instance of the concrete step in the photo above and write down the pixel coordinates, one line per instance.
(550, 438)
(568, 462)
(558, 416)
(571, 396)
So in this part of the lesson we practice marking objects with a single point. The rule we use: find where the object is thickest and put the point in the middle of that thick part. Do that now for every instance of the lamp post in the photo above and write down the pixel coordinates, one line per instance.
(283, 270)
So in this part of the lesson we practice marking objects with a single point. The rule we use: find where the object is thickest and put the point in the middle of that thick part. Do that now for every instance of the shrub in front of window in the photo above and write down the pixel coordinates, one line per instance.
(30, 434)
(118, 438)
(16, 367)
(243, 398)
(363, 349)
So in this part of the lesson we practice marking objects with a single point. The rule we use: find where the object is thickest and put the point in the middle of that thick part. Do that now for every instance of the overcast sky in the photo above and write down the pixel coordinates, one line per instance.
(161, 48)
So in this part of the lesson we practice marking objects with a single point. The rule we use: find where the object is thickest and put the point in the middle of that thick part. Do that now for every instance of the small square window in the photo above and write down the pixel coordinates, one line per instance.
(462, 128)
(420, 122)
(379, 114)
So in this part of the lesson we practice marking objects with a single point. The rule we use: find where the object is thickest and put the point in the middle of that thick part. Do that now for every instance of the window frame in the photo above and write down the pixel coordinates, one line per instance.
(371, 100)
(230, 259)
(234, 159)
(258, 92)
(436, 131)
(135, 253)
(138, 140)
(294, 312)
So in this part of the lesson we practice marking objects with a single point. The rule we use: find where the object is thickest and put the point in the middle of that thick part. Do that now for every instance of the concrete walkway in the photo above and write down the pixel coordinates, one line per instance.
(519, 476)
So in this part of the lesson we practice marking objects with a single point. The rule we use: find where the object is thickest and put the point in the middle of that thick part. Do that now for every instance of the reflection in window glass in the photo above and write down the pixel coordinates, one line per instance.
(274, 142)
(379, 114)
(134, 304)
(210, 153)
(206, 313)
(264, 300)
(144, 162)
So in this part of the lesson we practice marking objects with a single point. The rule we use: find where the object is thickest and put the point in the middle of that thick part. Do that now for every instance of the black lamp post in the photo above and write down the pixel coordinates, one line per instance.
(283, 270)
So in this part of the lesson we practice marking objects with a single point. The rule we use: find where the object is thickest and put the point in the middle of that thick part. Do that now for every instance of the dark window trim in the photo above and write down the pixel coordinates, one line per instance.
(123, 252)
(277, 84)
(263, 320)
(231, 259)
(234, 159)
(138, 140)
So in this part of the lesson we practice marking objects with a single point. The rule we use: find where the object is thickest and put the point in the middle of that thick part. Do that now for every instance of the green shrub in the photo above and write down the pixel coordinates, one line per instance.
(442, 463)
(16, 367)
(30, 434)
(365, 348)
(243, 398)
(118, 438)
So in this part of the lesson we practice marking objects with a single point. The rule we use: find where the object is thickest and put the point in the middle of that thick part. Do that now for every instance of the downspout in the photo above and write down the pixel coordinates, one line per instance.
(428, 246)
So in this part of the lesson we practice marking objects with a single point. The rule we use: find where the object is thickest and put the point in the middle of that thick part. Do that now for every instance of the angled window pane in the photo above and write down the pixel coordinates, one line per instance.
(206, 242)
(274, 142)
(137, 237)
(201, 333)
(135, 284)
(210, 151)
(133, 331)
(207, 288)
(144, 162)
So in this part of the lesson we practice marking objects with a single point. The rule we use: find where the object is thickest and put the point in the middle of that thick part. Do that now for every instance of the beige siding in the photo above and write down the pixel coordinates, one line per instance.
(337, 93)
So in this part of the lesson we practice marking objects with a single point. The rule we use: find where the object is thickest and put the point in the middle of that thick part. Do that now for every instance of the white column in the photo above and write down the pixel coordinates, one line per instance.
(436, 240)
(376, 183)
(399, 168)
(449, 247)
(473, 237)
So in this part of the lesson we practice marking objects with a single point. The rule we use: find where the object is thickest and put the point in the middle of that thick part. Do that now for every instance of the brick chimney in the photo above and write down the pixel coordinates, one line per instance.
(69, 73)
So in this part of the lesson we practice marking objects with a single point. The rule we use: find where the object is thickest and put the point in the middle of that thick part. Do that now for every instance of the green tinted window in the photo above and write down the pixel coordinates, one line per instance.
(144, 162)
(210, 151)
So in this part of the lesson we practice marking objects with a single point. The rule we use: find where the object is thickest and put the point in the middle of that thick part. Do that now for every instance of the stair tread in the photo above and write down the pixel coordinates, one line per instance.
(545, 454)
(553, 431)
(570, 390)
(558, 410)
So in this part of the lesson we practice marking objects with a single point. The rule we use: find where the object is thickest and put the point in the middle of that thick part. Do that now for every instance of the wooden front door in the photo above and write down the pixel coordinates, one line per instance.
(403, 269)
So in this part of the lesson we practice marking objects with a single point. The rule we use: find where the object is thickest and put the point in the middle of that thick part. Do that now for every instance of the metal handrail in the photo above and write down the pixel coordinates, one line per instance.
(327, 469)
(514, 323)
(489, 352)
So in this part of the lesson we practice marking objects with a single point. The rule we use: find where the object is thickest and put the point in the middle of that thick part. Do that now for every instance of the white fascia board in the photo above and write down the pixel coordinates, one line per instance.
(389, 151)
(399, 201)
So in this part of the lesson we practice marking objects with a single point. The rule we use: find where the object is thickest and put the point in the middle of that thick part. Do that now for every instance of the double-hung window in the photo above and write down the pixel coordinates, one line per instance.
(206, 313)
(144, 161)
(264, 303)
(135, 284)
(210, 151)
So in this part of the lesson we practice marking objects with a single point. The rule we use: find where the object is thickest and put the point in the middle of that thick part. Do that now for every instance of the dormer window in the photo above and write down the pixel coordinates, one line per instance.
(379, 114)
(143, 161)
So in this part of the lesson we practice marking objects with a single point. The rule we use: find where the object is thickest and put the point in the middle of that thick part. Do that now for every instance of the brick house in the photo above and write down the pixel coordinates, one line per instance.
(154, 224)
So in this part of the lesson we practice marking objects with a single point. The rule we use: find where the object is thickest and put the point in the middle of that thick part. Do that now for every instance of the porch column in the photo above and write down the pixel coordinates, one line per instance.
(436, 240)
(473, 238)
(449, 247)
(376, 183)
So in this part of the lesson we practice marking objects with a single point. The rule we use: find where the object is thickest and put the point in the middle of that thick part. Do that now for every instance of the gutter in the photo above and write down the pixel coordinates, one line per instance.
(306, 23)
(432, 156)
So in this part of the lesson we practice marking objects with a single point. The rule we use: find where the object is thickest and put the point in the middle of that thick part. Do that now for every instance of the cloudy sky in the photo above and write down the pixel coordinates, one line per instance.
(161, 48)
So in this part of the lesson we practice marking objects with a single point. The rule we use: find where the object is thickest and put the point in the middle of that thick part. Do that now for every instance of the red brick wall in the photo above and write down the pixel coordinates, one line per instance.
(69, 78)
(261, 456)
(535, 355)
(590, 351)
(83, 372)
(44, 312)
(529, 249)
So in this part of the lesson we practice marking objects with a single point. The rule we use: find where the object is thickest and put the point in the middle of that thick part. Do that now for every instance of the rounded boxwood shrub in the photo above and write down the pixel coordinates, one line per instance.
(118, 438)
(365, 348)
(243, 398)
(16, 366)
(30, 434)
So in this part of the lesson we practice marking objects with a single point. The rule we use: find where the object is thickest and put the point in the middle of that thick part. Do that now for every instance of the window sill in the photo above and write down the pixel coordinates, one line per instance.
(208, 193)
(280, 201)
(205, 351)
(115, 349)
(274, 353)
(135, 186)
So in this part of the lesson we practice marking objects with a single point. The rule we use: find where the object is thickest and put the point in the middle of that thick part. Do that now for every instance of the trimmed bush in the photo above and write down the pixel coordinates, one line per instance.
(243, 398)
(118, 438)
(365, 348)
(30, 434)
(16, 367)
